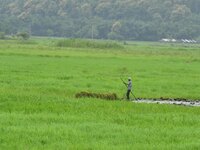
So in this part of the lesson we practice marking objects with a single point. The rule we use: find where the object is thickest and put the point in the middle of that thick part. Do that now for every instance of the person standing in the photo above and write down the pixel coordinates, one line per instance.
(129, 88)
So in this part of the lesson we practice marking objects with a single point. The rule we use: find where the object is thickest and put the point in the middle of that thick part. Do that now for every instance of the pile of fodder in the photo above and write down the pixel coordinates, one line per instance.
(81, 43)
(106, 96)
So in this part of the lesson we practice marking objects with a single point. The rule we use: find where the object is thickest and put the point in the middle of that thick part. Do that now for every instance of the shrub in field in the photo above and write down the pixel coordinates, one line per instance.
(23, 35)
(107, 96)
(78, 43)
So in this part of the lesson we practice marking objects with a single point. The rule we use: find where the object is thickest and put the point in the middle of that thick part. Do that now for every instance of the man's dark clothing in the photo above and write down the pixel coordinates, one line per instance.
(128, 94)
(129, 87)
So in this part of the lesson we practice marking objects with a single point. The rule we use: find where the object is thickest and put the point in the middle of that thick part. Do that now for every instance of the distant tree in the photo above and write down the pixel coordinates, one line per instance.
(103, 29)
(50, 32)
(114, 19)
(23, 35)
(115, 36)
(180, 12)
(103, 9)
(2, 35)
(86, 10)
(116, 26)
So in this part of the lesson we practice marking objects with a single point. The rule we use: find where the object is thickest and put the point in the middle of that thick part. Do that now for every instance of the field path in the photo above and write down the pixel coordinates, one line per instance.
(173, 102)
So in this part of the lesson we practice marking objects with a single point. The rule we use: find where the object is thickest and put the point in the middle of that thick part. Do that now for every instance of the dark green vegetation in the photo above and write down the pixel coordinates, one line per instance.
(107, 19)
(79, 43)
(105, 96)
(38, 110)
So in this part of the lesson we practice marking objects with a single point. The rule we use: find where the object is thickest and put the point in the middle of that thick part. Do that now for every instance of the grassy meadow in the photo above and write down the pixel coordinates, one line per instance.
(39, 78)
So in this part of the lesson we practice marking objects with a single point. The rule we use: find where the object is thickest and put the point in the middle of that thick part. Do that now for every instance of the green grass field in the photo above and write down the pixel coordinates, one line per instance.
(38, 81)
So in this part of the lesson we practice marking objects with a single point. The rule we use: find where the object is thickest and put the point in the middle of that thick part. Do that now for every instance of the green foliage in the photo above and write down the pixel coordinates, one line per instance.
(115, 36)
(2, 35)
(23, 35)
(78, 43)
(114, 19)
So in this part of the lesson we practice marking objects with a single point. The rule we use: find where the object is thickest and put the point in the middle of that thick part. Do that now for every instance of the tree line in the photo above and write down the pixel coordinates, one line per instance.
(102, 19)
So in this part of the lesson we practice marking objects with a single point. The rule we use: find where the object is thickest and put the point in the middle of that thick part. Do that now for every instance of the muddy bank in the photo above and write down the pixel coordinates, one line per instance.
(183, 102)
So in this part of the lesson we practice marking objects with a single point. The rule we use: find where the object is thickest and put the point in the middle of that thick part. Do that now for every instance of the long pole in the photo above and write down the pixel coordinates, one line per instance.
(126, 86)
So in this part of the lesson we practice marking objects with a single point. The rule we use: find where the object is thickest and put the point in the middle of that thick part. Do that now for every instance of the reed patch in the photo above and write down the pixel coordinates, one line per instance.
(106, 96)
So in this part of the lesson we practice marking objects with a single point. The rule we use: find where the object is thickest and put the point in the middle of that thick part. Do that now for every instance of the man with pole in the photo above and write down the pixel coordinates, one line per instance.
(129, 88)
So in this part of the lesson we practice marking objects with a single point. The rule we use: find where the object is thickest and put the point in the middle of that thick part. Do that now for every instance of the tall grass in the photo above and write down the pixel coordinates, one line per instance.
(79, 43)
